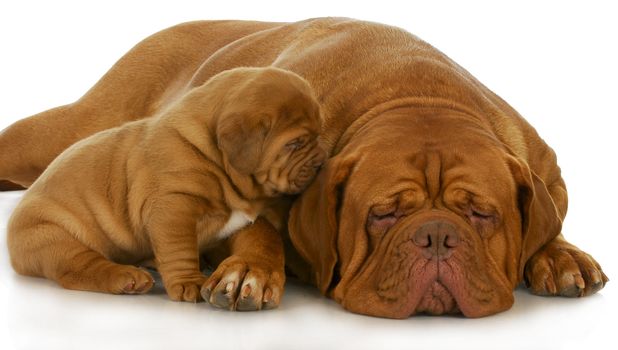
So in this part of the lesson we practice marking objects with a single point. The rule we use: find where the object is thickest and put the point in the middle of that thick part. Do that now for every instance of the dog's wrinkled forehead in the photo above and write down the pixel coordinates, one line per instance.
(452, 156)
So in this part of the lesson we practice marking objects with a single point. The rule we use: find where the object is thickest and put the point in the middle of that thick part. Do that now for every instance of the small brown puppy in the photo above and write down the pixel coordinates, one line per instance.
(168, 186)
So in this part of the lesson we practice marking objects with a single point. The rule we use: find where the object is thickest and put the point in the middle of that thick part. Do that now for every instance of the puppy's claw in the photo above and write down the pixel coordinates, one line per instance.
(268, 294)
(239, 285)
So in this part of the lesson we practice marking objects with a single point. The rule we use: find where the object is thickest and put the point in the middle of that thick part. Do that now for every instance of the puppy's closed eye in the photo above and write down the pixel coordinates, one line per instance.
(296, 143)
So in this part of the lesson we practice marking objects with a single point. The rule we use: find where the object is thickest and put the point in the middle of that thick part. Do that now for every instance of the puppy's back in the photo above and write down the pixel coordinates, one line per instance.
(84, 191)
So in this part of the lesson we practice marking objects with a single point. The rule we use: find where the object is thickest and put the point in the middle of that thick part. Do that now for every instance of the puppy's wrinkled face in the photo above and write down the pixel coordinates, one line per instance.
(292, 154)
(292, 164)
(428, 217)
(274, 132)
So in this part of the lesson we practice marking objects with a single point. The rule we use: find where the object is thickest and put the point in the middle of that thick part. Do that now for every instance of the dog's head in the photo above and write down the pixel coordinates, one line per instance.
(423, 213)
(268, 126)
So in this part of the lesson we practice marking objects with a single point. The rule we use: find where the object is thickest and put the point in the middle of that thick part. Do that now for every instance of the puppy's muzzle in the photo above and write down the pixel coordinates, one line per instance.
(308, 170)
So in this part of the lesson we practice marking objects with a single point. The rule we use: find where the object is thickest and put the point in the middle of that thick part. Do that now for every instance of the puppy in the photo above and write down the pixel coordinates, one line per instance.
(168, 186)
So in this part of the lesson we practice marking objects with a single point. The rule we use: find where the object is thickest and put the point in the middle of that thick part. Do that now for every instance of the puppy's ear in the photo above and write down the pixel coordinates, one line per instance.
(540, 219)
(241, 138)
(314, 219)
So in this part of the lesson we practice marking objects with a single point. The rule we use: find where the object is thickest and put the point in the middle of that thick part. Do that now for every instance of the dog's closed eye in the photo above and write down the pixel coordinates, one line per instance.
(483, 220)
(381, 218)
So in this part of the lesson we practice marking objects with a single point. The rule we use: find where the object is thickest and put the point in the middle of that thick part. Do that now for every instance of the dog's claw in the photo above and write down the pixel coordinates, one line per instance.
(560, 268)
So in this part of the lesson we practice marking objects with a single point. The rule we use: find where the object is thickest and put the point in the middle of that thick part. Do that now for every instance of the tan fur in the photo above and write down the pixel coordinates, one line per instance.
(394, 110)
(165, 186)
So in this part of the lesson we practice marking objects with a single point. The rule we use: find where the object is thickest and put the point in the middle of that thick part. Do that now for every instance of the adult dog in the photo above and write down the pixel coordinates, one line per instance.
(438, 196)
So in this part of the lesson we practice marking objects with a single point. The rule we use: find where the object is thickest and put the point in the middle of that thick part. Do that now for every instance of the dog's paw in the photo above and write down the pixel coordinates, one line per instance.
(185, 288)
(561, 268)
(243, 285)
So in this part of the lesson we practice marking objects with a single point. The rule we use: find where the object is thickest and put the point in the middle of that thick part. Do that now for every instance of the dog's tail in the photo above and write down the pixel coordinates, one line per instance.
(9, 186)
(7, 159)
(30, 144)
(5, 185)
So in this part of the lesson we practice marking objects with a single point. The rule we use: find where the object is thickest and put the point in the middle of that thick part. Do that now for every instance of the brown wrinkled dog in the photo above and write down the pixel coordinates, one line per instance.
(438, 197)
(169, 187)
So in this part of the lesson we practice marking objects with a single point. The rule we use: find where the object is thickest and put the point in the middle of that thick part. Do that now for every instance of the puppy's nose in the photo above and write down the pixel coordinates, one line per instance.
(437, 238)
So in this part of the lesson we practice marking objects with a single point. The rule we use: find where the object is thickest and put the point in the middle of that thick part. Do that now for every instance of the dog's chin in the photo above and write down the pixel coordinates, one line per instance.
(424, 287)
(422, 290)
(437, 300)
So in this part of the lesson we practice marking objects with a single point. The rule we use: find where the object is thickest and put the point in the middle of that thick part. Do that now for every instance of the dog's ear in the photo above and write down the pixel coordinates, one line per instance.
(240, 138)
(540, 219)
(314, 219)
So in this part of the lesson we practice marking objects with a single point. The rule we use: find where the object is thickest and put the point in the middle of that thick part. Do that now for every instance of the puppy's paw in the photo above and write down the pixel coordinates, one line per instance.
(561, 268)
(133, 280)
(185, 288)
(243, 285)
(125, 279)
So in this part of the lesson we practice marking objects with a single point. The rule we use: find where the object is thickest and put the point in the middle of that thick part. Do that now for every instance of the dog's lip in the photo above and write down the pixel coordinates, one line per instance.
(437, 300)
(431, 292)
(438, 287)
(428, 288)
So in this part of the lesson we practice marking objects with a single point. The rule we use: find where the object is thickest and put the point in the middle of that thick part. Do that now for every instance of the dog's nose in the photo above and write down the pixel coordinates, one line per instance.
(437, 238)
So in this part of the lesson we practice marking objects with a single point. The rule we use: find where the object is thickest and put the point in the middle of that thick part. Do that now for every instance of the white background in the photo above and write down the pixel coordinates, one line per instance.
(555, 62)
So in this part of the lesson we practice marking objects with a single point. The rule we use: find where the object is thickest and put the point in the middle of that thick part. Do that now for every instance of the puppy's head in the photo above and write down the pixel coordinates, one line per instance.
(268, 129)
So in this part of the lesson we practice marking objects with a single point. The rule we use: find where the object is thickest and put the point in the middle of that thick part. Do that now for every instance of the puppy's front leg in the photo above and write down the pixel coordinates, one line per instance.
(252, 277)
(171, 226)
